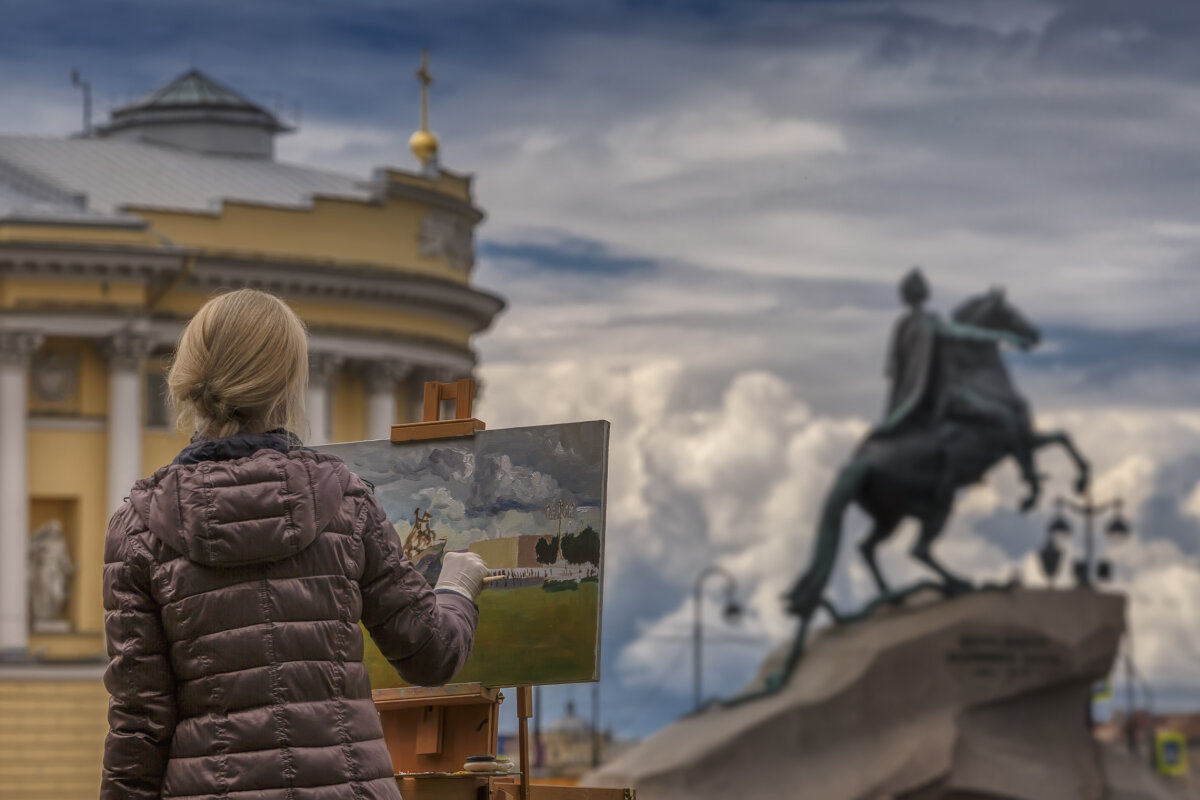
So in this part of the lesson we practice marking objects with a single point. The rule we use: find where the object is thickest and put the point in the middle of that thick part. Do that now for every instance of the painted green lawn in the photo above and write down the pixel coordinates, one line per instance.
(525, 636)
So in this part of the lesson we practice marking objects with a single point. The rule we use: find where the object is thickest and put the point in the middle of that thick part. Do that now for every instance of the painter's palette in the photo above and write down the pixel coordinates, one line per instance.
(530, 501)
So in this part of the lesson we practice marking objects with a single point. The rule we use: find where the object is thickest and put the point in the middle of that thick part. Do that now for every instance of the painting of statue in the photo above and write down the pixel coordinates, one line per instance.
(50, 572)
(530, 501)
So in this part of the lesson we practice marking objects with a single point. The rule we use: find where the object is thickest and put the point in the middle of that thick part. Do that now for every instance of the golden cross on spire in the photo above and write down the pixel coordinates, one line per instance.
(424, 143)
(425, 78)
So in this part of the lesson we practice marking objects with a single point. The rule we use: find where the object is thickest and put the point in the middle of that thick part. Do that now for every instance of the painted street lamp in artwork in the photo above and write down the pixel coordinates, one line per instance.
(1089, 566)
(732, 612)
(556, 511)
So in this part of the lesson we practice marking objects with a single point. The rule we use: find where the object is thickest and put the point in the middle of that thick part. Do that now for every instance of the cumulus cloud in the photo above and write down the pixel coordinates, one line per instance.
(739, 483)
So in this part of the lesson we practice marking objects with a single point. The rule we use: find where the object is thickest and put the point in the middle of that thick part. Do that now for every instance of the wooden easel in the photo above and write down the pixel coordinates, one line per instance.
(432, 426)
(430, 731)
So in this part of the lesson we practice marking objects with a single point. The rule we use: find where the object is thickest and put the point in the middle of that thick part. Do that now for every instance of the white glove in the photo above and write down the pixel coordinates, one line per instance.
(462, 573)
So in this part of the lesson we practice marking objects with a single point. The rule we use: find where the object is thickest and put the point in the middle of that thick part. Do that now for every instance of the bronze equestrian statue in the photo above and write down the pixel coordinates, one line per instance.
(953, 414)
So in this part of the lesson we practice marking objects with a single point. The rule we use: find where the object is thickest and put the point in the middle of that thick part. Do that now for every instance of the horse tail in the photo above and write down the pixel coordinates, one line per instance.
(806, 596)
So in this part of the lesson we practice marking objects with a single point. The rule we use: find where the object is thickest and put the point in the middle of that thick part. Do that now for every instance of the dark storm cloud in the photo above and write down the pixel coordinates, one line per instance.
(1149, 37)
(520, 469)
(593, 259)
(580, 262)
(385, 465)
(534, 466)
(1106, 356)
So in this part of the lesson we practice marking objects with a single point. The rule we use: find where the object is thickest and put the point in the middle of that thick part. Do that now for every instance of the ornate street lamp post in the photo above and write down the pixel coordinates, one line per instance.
(733, 611)
(1086, 567)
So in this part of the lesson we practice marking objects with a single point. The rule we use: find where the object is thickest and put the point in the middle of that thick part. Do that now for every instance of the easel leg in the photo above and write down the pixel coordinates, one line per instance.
(524, 712)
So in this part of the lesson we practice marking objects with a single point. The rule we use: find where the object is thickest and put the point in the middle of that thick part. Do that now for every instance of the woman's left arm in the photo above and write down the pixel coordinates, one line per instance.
(141, 715)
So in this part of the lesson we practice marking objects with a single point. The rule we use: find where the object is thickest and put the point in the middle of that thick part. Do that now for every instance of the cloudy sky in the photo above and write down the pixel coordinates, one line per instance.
(698, 212)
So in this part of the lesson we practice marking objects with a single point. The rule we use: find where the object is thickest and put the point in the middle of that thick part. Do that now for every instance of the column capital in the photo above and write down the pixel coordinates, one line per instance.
(323, 366)
(17, 346)
(125, 349)
(383, 375)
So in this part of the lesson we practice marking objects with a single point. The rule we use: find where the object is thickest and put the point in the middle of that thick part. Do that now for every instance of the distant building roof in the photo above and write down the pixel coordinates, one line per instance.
(112, 173)
(194, 112)
(26, 199)
(193, 88)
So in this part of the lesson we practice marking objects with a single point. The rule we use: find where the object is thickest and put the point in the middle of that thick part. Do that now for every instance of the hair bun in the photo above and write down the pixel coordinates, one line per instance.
(211, 405)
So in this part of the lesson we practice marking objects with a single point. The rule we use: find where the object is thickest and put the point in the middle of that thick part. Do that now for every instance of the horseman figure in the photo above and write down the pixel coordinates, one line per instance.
(922, 393)
(952, 414)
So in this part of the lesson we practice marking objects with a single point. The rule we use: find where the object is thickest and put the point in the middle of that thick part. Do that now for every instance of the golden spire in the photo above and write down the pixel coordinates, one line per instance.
(424, 143)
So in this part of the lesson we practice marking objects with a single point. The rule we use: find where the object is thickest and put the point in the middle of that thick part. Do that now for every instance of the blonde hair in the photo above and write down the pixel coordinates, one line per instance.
(241, 367)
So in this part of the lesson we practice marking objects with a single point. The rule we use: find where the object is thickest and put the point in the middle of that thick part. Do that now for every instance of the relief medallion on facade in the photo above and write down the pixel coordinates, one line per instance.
(449, 236)
(54, 376)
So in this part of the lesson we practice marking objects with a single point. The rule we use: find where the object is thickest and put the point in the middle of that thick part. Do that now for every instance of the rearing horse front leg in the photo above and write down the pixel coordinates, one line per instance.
(1023, 444)
(922, 550)
(1084, 471)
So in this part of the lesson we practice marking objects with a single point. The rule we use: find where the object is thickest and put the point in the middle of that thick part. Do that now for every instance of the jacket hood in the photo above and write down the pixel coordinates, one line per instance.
(262, 507)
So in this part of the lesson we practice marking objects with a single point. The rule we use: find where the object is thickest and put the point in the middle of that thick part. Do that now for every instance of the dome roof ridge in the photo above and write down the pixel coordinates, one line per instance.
(193, 89)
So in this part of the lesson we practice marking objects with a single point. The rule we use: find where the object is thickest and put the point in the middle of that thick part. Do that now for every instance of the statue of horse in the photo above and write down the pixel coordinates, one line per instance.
(915, 471)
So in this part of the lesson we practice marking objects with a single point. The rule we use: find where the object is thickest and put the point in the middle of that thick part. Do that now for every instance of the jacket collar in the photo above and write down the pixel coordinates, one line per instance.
(237, 446)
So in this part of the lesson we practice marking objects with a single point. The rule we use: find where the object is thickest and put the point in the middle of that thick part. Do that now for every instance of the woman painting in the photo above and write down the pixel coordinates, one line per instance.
(234, 582)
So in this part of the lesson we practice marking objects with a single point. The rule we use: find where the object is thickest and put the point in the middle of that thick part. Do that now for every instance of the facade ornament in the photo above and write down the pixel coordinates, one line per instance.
(50, 571)
(323, 366)
(448, 236)
(55, 376)
(17, 346)
(383, 376)
(126, 350)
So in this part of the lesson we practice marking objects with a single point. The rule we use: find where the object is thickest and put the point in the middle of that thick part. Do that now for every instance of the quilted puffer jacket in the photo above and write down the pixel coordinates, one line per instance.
(234, 581)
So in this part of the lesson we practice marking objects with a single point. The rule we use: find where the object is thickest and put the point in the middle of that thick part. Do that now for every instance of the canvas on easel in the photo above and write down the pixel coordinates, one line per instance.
(530, 501)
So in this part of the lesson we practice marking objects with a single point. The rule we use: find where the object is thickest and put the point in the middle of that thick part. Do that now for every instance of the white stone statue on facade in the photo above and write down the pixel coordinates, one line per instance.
(50, 571)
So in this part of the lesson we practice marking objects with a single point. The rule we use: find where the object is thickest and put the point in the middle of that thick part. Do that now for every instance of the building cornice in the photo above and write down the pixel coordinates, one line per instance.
(89, 261)
(82, 219)
(163, 334)
(380, 288)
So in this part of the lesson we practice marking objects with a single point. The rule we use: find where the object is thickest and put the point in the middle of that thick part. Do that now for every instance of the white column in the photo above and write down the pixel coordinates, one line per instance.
(125, 352)
(319, 403)
(15, 349)
(382, 378)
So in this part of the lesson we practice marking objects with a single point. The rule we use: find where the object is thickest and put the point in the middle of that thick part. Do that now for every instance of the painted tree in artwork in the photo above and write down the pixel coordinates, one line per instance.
(582, 547)
(547, 549)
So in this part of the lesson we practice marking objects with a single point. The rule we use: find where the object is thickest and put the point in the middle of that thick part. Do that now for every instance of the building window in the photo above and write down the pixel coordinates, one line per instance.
(158, 410)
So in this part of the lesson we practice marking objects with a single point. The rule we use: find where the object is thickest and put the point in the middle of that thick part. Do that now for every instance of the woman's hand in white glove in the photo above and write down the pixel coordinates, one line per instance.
(462, 573)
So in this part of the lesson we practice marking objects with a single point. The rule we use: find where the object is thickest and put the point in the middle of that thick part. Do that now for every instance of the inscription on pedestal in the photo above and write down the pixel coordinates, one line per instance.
(1007, 656)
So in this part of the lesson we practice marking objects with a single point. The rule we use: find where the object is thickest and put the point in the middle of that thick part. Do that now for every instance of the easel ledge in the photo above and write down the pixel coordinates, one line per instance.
(462, 392)
(433, 725)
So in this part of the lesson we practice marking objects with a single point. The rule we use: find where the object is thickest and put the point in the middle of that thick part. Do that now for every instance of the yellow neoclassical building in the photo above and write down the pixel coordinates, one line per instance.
(109, 242)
